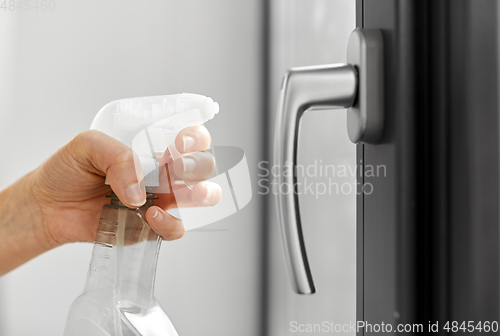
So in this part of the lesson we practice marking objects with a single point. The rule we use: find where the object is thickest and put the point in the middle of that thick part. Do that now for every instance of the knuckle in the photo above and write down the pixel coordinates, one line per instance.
(124, 156)
(86, 137)
(86, 142)
(80, 148)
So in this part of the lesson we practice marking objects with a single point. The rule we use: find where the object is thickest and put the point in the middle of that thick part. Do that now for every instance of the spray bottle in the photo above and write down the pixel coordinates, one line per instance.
(118, 299)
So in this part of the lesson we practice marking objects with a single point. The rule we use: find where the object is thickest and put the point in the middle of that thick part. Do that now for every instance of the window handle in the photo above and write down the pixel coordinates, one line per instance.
(358, 86)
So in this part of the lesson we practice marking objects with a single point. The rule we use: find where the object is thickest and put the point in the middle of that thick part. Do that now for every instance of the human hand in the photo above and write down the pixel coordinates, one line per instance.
(69, 187)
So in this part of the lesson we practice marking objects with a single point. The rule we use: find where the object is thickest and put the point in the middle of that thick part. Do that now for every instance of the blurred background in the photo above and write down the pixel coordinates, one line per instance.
(58, 67)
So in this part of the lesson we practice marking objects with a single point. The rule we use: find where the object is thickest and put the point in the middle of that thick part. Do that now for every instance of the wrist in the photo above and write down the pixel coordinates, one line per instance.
(21, 226)
(39, 209)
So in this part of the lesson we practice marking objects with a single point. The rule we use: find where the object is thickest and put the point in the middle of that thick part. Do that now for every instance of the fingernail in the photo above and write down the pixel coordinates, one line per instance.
(157, 217)
(188, 143)
(209, 193)
(188, 164)
(135, 196)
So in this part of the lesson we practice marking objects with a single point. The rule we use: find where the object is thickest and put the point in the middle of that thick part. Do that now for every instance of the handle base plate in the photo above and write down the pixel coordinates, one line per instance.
(365, 119)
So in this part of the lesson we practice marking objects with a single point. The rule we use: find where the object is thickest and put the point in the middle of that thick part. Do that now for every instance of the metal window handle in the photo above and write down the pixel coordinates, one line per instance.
(358, 86)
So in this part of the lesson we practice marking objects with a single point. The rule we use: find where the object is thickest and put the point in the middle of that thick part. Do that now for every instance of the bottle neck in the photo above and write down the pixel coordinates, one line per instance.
(125, 254)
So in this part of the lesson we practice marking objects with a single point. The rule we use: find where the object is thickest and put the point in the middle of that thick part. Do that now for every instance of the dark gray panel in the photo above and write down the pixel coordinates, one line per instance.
(474, 169)
(379, 207)
(431, 230)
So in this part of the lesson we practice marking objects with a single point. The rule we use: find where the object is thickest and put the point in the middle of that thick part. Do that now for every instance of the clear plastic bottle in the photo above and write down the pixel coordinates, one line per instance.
(118, 299)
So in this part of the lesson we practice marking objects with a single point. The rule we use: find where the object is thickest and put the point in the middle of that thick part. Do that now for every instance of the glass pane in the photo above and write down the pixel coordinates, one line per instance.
(310, 33)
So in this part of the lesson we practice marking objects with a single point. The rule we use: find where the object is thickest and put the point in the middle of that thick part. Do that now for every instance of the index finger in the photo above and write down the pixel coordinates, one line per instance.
(193, 139)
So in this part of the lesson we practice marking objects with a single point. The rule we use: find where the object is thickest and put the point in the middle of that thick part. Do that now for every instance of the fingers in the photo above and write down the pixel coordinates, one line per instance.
(194, 167)
(110, 157)
(114, 159)
(192, 139)
(166, 225)
(206, 193)
(202, 194)
(171, 228)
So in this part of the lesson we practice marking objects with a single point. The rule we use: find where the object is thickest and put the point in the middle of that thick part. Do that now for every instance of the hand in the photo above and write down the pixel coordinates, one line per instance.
(61, 200)
(70, 191)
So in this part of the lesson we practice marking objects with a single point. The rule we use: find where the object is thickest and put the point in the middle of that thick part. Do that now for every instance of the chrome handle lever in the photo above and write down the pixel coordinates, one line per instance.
(357, 86)
(303, 88)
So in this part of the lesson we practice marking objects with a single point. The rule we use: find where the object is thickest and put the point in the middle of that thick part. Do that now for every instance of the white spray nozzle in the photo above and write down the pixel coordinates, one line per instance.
(149, 125)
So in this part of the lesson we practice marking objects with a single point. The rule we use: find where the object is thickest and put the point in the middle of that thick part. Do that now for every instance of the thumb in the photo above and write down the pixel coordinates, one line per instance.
(118, 162)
